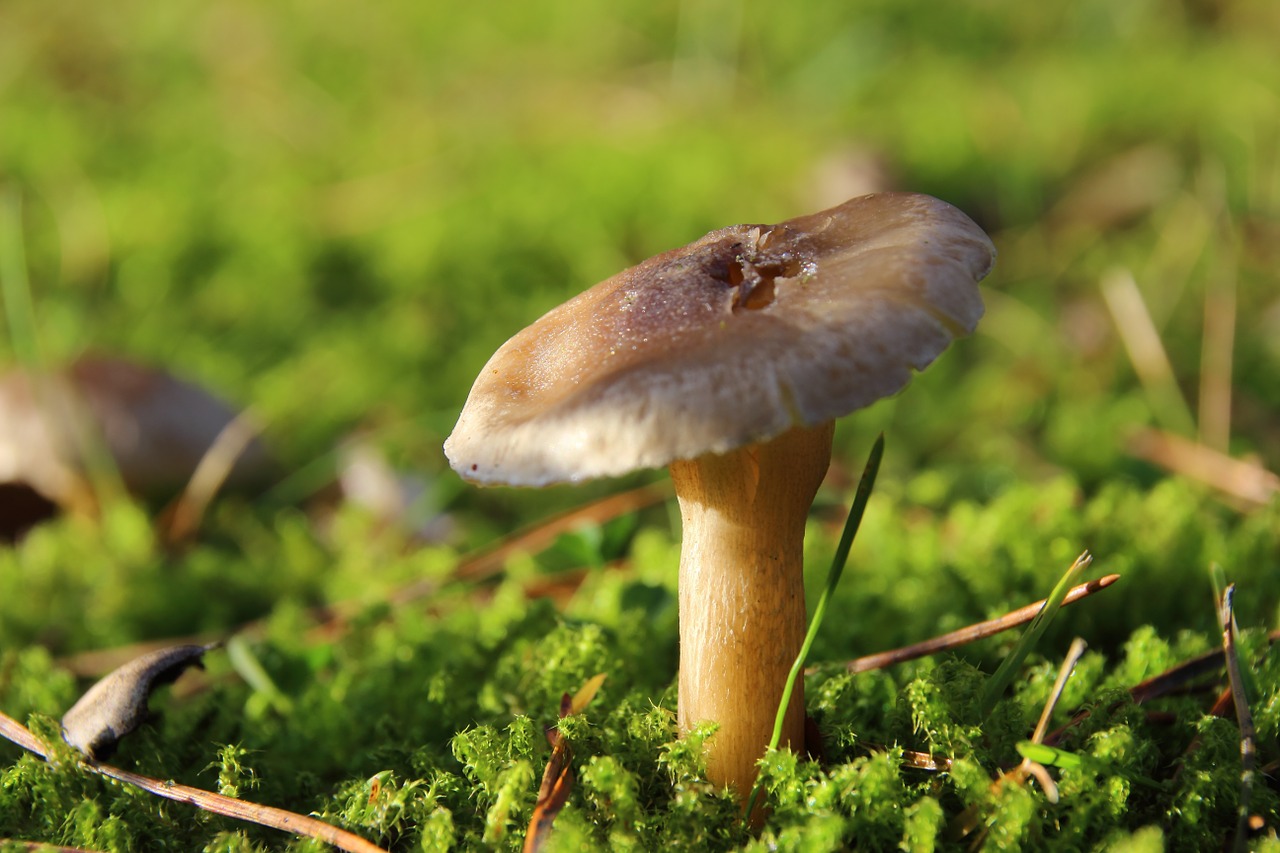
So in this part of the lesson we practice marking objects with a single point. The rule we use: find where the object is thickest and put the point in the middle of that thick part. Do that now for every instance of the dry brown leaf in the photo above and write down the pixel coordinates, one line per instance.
(558, 778)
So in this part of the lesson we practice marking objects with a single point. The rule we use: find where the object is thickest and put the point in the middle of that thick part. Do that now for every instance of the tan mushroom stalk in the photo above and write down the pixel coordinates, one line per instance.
(728, 360)
(742, 609)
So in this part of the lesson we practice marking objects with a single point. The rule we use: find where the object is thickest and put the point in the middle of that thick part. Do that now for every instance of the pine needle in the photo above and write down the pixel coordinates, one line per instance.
(970, 633)
(267, 816)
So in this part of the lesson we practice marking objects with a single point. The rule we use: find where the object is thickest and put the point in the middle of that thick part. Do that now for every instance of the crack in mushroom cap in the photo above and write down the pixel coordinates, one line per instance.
(731, 340)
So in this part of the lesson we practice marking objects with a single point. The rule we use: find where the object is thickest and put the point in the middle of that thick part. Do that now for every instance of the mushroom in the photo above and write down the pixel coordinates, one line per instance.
(728, 361)
(153, 428)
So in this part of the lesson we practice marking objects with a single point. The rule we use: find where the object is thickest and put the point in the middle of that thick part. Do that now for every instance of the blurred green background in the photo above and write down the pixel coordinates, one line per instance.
(335, 214)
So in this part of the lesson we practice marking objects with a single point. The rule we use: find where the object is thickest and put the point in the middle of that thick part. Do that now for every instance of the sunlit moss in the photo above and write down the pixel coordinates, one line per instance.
(335, 217)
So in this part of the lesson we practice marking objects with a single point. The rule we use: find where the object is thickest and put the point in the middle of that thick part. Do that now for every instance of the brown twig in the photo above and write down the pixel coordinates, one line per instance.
(971, 633)
(920, 760)
(1189, 670)
(267, 816)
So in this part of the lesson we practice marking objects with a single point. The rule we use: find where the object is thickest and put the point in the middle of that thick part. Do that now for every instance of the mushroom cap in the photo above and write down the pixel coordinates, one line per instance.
(731, 340)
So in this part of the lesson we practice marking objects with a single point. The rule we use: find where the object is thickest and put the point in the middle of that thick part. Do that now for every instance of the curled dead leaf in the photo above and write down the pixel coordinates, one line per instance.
(117, 704)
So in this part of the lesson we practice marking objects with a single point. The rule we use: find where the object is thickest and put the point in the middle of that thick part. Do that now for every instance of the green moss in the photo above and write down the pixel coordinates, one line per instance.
(336, 217)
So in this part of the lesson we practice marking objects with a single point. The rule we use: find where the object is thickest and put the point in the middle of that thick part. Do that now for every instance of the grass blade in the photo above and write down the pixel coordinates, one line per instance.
(838, 560)
(15, 288)
(1052, 756)
(998, 682)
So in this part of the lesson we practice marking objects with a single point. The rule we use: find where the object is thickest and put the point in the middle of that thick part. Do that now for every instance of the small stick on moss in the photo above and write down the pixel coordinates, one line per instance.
(970, 633)
(1175, 679)
(919, 760)
(1248, 747)
(267, 816)
(1034, 768)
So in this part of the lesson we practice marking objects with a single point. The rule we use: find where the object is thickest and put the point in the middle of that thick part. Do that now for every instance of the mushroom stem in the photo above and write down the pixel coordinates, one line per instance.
(742, 608)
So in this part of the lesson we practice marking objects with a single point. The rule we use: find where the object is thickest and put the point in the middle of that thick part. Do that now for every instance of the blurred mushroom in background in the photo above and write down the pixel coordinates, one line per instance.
(402, 502)
(107, 417)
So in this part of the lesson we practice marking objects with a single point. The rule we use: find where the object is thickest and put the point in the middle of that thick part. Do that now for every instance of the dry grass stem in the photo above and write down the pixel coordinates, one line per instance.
(1248, 736)
(211, 472)
(1074, 653)
(1216, 353)
(1146, 352)
(1032, 768)
(1246, 482)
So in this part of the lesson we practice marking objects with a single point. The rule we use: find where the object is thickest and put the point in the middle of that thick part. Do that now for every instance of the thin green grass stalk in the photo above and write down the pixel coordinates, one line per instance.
(15, 288)
(248, 667)
(838, 560)
(15, 296)
(1009, 667)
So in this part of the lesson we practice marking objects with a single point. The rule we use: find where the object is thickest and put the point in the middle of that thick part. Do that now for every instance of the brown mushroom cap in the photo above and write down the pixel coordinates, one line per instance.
(731, 340)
